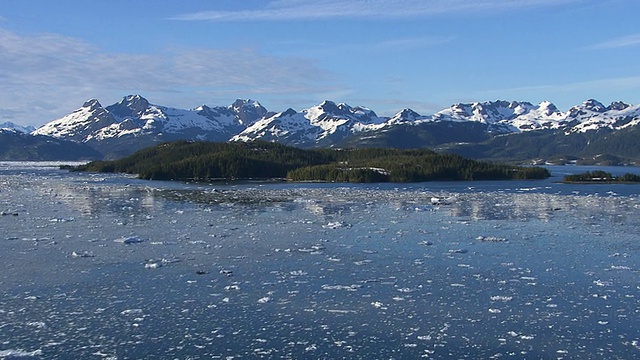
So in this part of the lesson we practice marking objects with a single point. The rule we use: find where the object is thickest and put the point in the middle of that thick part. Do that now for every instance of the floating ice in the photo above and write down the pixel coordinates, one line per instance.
(131, 312)
(442, 200)
(395, 255)
(82, 254)
(153, 265)
(491, 239)
(337, 225)
(353, 287)
(458, 251)
(129, 240)
(226, 272)
(378, 305)
(9, 354)
(603, 282)
(37, 324)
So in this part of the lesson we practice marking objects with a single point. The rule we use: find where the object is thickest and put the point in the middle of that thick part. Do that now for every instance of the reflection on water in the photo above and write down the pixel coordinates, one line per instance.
(106, 266)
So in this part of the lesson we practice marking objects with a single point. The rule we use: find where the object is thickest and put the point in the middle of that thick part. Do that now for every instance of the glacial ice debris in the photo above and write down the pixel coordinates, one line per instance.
(131, 312)
(442, 200)
(82, 254)
(337, 225)
(458, 251)
(18, 353)
(226, 272)
(491, 239)
(152, 265)
(129, 240)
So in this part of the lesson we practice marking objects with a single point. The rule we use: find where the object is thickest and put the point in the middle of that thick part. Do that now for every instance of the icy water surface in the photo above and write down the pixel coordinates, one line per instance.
(99, 266)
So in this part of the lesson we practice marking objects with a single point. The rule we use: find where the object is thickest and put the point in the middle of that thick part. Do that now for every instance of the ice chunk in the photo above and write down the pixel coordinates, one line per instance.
(337, 225)
(491, 239)
(11, 353)
(131, 312)
(226, 272)
(442, 200)
(83, 254)
(458, 251)
(129, 240)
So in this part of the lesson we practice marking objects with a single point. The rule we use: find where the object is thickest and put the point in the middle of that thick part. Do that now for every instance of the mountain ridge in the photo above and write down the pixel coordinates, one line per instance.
(133, 123)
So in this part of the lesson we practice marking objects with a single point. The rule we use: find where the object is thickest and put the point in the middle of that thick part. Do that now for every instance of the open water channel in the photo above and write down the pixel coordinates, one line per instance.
(103, 266)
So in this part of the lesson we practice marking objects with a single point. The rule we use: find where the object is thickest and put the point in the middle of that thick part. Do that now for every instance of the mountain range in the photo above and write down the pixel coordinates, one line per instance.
(501, 130)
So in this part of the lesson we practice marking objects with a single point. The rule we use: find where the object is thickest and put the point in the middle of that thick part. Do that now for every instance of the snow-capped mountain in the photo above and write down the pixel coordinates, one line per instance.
(135, 116)
(134, 123)
(504, 116)
(8, 125)
(593, 115)
(509, 117)
(321, 125)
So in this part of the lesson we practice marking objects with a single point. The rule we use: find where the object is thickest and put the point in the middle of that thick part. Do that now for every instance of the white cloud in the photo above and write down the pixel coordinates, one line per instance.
(49, 75)
(625, 41)
(333, 9)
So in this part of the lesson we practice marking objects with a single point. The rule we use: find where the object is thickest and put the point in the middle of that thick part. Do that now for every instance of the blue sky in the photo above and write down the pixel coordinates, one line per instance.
(385, 55)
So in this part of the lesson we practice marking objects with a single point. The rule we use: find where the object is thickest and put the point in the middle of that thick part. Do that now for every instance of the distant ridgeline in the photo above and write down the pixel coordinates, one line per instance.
(601, 177)
(207, 161)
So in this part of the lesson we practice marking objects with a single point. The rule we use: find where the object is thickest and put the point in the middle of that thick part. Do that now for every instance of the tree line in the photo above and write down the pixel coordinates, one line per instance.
(599, 176)
(206, 161)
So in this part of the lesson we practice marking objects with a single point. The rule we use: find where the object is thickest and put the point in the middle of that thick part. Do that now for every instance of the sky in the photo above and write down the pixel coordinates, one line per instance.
(382, 54)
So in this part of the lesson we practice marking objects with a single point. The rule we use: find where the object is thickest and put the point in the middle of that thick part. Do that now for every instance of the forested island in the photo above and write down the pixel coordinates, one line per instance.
(601, 177)
(207, 161)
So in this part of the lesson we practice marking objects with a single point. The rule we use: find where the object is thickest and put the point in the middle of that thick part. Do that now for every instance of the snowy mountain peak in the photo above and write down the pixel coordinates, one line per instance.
(249, 111)
(330, 107)
(547, 108)
(133, 122)
(594, 105)
(92, 104)
(129, 106)
(8, 125)
(618, 105)
(245, 103)
(404, 116)
(289, 112)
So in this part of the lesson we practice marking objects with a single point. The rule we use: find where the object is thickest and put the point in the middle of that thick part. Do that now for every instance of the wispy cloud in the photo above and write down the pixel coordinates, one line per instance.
(620, 42)
(50, 75)
(277, 10)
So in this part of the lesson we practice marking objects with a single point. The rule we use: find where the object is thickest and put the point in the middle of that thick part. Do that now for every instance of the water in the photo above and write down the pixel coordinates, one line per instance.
(107, 266)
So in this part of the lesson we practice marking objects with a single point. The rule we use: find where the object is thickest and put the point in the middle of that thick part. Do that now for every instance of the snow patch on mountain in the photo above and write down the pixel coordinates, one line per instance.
(324, 124)
(593, 115)
(11, 126)
(135, 116)
(80, 123)
(288, 125)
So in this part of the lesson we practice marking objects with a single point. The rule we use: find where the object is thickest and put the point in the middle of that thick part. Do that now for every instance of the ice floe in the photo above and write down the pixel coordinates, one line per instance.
(315, 270)
(129, 240)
